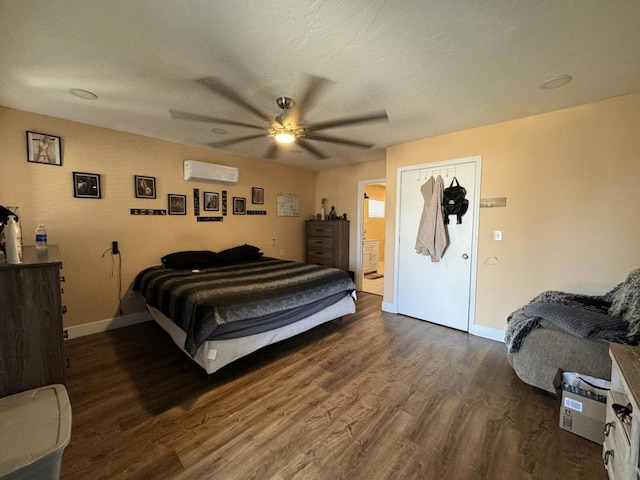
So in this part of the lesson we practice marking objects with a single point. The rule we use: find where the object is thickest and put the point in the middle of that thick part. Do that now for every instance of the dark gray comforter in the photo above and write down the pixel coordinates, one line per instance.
(200, 301)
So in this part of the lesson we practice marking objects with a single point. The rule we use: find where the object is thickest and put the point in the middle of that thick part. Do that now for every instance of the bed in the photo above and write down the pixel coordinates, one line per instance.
(231, 306)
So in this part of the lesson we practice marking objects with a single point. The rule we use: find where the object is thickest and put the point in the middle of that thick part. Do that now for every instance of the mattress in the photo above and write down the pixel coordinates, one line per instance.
(240, 299)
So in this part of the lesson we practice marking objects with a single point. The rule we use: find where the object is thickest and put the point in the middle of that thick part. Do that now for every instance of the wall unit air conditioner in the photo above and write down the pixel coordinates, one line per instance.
(195, 171)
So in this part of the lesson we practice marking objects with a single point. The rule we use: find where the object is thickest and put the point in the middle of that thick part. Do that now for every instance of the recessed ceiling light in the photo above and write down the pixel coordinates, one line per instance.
(220, 131)
(556, 82)
(78, 92)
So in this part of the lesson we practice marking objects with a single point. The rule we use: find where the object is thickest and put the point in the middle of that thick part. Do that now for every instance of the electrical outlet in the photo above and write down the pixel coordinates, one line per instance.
(114, 248)
(273, 242)
(282, 252)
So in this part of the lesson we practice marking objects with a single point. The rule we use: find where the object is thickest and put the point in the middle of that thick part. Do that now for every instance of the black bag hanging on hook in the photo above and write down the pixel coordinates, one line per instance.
(453, 201)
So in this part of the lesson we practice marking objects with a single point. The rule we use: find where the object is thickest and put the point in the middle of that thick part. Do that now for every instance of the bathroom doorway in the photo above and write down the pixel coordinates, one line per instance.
(372, 226)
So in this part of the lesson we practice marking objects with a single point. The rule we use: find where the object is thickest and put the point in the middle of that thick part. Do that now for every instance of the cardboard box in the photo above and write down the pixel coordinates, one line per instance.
(582, 412)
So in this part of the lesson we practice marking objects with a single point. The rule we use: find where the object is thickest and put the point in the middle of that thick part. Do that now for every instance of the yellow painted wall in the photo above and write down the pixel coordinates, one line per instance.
(340, 187)
(84, 228)
(572, 220)
(374, 228)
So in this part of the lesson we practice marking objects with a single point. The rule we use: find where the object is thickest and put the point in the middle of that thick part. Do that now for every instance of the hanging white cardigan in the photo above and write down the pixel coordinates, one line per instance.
(432, 234)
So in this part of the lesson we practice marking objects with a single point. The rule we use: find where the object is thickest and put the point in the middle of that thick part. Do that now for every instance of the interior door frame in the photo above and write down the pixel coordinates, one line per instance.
(359, 232)
(477, 159)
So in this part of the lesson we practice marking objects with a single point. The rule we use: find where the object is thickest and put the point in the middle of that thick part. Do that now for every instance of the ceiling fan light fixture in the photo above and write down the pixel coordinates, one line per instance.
(284, 136)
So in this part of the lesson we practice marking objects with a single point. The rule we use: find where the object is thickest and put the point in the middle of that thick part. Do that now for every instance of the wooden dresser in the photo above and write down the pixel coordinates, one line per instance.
(31, 343)
(621, 447)
(327, 243)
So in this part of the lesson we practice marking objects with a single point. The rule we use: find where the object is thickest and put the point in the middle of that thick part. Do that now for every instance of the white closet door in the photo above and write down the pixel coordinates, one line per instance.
(439, 292)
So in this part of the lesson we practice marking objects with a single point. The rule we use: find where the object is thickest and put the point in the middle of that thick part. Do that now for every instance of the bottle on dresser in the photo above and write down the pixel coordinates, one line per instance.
(41, 237)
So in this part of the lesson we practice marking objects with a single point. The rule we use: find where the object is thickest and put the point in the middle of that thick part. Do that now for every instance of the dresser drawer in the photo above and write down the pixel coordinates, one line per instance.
(613, 463)
(320, 229)
(319, 242)
(325, 262)
(320, 252)
(616, 449)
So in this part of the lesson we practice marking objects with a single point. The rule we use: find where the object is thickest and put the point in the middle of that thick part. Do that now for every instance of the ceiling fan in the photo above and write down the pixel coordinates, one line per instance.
(289, 126)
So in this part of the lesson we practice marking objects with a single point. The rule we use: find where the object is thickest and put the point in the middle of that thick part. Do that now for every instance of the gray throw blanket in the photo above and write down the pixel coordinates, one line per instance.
(581, 315)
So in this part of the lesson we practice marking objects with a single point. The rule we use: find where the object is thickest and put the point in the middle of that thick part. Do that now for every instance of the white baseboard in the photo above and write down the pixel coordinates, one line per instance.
(477, 330)
(389, 307)
(76, 331)
(488, 332)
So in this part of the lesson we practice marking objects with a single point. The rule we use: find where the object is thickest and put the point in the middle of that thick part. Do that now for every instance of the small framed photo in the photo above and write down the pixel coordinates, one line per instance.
(43, 148)
(257, 196)
(239, 206)
(177, 204)
(211, 201)
(86, 185)
(145, 187)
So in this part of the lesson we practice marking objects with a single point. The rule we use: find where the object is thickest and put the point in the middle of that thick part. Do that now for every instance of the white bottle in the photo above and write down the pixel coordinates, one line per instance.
(11, 242)
(41, 237)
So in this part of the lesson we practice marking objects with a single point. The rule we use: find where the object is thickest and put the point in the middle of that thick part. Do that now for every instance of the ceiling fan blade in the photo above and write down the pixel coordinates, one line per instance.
(341, 122)
(343, 141)
(179, 115)
(271, 151)
(220, 88)
(310, 148)
(314, 86)
(231, 141)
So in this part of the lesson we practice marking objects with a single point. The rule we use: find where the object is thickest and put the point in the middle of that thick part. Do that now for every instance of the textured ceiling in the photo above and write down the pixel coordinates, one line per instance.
(434, 66)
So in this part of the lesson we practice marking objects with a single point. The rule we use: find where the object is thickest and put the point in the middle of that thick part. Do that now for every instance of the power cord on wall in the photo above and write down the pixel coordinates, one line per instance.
(115, 252)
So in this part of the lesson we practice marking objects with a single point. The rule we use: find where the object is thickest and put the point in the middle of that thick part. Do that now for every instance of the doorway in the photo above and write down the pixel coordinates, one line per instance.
(439, 292)
(371, 223)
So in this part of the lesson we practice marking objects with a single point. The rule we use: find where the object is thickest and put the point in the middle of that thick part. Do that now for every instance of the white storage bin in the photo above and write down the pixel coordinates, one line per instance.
(35, 428)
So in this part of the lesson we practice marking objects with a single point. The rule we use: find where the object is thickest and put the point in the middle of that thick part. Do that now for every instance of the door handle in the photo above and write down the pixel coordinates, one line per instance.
(465, 256)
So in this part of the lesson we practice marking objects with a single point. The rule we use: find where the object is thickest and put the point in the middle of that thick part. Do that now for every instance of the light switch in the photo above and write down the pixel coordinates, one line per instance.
(497, 235)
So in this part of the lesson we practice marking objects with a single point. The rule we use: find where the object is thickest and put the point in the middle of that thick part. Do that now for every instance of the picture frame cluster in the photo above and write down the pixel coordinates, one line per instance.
(46, 149)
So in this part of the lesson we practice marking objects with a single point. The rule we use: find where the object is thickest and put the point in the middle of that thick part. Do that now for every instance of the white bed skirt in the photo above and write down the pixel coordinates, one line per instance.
(215, 354)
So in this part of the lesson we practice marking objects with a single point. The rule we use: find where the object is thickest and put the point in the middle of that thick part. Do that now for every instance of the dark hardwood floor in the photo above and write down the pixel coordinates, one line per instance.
(372, 396)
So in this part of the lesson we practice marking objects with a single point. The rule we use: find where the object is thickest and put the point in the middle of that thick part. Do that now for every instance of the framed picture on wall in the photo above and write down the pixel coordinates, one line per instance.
(177, 204)
(145, 187)
(239, 206)
(86, 185)
(257, 196)
(43, 148)
(211, 201)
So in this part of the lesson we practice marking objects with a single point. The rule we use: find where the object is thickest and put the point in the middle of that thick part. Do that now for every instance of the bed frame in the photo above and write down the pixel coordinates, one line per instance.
(215, 354)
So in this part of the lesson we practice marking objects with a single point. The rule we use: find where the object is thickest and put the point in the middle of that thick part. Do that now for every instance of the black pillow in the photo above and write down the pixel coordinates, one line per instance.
(193, 259)
(241, 252)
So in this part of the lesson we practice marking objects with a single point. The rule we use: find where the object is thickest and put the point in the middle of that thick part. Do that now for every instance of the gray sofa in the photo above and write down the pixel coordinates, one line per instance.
(571, 332)
(549, 348)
